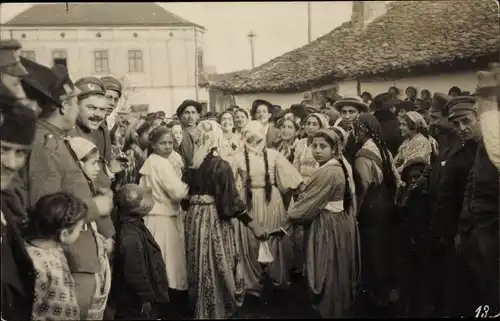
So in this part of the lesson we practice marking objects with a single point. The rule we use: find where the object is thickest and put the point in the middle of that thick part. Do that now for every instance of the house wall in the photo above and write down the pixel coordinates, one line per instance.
(169, 58)
(283, 100)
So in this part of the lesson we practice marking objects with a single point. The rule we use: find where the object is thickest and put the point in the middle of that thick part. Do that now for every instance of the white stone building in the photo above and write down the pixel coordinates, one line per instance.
(158, 55)
(430, 45)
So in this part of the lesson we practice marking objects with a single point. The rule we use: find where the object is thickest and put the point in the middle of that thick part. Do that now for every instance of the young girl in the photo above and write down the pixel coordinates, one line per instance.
(266, 174)
(289, 131)
(165, 221)
(56, 220)
(332, 248)
(241, 117)
(230, 144)
(90, 162)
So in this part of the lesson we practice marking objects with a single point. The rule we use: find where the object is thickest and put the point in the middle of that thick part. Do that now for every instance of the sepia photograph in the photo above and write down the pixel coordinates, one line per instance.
(250, 160)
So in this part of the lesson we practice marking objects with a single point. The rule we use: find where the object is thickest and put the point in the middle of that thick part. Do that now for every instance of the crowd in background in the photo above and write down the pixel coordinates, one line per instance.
(386, 207)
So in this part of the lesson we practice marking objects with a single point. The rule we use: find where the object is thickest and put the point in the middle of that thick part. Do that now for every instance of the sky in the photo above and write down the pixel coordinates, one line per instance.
(279, 27)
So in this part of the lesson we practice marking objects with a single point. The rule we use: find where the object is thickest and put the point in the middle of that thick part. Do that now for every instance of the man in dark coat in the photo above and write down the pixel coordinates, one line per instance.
(382, 105)
(17, 130)
(188, 112)
(461, 112)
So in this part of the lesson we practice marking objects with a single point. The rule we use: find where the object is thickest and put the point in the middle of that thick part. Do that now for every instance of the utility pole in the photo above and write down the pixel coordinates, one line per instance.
(309, 37)
(250, 36)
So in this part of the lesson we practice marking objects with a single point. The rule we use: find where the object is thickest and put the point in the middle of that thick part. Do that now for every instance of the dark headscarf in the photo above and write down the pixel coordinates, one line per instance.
(368, 123)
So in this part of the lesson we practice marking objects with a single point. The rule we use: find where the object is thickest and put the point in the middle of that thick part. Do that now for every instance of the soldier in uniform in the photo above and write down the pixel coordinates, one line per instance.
(461, 113)
(53, 168)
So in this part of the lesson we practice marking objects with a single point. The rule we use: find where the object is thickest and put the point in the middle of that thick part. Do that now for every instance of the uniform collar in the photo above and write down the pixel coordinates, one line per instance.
(54, 129)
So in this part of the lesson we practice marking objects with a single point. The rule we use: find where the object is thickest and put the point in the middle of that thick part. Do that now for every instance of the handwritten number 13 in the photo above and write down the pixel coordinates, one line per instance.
(482, 311)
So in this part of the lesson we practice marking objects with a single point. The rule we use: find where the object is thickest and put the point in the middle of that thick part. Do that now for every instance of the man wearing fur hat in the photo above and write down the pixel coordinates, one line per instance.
(189, 113)
(17, 129)
(53, 167)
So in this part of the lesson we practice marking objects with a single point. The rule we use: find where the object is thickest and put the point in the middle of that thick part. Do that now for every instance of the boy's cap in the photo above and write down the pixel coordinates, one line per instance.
(81, 146)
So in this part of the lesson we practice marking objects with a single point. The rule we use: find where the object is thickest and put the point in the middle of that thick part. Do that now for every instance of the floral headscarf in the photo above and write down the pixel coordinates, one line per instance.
(323, 121)
(417, 119)
(254, 136)
(208, 136)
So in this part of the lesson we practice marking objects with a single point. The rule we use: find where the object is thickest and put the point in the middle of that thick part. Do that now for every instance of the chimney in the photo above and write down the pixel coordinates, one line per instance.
(365, 12)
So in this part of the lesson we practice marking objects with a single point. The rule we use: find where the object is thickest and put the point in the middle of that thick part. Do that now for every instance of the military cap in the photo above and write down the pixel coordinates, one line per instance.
(459, 106)
(189, 103)
(17, 122)
(353, 102)
(439, 100)
(32, 83)
(90, 86)
(260, 102)
(111, 83)
(10, 60)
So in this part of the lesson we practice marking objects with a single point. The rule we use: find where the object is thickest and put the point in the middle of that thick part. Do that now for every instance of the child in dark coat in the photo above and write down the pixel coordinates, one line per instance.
(139, 274)
(414, 213)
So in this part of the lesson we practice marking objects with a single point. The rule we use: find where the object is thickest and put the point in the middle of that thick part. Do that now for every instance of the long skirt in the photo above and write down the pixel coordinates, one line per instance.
(270, 216)
(214, 268)
(168, 232)
(332, 263)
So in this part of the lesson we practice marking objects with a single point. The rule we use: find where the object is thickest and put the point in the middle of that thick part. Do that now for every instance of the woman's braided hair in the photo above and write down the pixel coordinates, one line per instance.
(248, 183)
(52, 214)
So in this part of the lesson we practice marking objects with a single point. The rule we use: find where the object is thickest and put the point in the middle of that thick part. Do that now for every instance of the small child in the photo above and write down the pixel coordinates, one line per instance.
(90, 162)
(57, 220)
(140, 283)
(414, 212)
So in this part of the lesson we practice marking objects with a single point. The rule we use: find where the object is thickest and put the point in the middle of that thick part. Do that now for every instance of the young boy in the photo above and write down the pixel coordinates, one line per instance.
(414, 213)
(140, 284)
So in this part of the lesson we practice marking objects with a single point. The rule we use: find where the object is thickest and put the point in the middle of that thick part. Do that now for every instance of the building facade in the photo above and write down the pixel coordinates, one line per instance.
(158, 64)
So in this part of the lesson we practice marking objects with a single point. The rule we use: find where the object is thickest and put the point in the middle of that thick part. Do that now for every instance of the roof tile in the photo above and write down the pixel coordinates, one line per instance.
(411, 33)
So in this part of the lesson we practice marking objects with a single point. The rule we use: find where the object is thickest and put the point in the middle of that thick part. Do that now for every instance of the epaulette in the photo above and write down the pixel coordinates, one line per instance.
(50, 142)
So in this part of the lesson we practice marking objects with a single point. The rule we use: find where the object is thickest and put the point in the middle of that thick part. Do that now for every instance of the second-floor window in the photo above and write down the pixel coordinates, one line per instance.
(29, 54)
(135, 61)
(199, 57)
(60, 57)
(101, 61)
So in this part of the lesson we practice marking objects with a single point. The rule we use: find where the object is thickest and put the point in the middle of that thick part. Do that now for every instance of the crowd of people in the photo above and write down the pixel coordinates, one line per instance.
(387, 207)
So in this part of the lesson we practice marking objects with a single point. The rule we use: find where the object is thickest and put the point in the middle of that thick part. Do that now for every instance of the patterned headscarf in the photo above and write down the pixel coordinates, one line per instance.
(417, 119)
(367, 122)
(254, 136)
(343, 135)
(208, 136)
(323, 121)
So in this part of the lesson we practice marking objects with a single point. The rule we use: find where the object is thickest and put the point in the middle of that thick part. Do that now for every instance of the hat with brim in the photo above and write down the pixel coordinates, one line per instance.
(352, 102)
(10, 58)
(439, 100)
(260, 102)
(32, 83)
(189, 103)
(459, 106)
(111, 83)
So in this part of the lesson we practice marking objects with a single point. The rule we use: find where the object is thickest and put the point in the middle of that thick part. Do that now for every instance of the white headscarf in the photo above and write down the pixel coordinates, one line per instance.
(208, 136)
(417, 119)
(254, 136)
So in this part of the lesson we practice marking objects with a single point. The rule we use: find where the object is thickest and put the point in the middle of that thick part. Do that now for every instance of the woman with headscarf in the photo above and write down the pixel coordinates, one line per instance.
(331, 234)
(416, 144)
(266, 175)
(304, 160)
(289, 130)
(376, 187)
(215, 279)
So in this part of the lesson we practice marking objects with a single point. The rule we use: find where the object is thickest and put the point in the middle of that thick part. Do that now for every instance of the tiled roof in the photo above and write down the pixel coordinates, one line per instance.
(98, 14)
(215, 77)
(410, 34)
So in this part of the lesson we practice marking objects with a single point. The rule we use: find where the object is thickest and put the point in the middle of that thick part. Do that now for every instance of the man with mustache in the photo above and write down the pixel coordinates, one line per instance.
(461, 113)
(53, 167)
(188, 112)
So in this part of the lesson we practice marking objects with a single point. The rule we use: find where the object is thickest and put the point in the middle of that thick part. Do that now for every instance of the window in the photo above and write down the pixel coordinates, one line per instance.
(135, 62)
(199, 57)
(60, 57)
(29, 54)
(101, 61)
